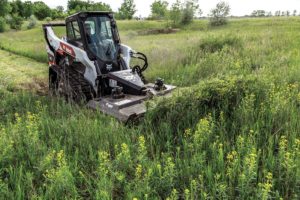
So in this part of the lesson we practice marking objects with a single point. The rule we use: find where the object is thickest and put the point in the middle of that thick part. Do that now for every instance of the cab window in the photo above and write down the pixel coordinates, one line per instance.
(76, 30)
(70, 32)
(99, 36)
(73, 34)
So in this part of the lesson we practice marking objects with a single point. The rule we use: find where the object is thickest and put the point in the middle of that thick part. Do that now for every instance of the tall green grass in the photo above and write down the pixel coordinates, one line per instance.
(231, 131)
(225, 138)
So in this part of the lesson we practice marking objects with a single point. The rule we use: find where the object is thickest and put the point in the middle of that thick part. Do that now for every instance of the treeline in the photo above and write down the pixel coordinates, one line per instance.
(177, 14)
(182, 12)
(26, 9)
(15, 12)
(41, 11)
(278, 13)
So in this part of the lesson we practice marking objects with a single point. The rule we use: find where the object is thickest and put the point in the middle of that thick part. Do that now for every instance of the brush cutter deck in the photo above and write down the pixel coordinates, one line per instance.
(128, 108)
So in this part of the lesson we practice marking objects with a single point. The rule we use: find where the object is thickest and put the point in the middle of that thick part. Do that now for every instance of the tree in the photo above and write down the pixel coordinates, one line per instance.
(15, 21)
(127, 10)
(2, 24)
(189, 11)
(159, 9)
(294, 12)
(58, 12)
(200, 12)
(32, 22)
(76, 4)
(16, 7)
(79, 5)
(288, 13)
(258, 13)
(218, 15)
(175, 13)
(5, 8)
(261, 13)
(254, 13)
(98, 7)
(24, 10)
(60, 9)
(27, 9)
(277, 13)
(41, 10)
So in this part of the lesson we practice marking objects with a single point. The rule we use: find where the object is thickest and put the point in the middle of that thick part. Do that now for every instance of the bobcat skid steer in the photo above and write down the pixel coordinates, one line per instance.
(92, 65)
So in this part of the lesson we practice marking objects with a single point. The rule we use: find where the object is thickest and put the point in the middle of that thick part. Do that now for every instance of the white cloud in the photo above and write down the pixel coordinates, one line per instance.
(238, 7)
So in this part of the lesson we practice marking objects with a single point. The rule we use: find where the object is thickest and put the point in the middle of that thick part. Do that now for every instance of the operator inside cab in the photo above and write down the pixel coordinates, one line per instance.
(99, 38)
(91, 38)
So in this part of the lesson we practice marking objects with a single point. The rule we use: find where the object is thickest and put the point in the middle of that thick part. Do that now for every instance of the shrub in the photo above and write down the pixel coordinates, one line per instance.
(15, 22)
(188, 12)
(2, 24)
(159, 9)
(183, 13)
(32, 22)
(41, 10)
(210, 96)
(218, 15)
(175, 14)
(214, 44)
(48, 19)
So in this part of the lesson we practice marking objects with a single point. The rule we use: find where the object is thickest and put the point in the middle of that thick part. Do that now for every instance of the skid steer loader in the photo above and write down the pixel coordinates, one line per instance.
(91, 64)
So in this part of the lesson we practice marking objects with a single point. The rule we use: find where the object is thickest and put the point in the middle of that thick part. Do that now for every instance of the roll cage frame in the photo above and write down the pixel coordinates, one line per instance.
(80, 18)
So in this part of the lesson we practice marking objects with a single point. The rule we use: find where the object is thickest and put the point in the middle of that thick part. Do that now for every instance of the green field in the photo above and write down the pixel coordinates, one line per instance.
(230, 131)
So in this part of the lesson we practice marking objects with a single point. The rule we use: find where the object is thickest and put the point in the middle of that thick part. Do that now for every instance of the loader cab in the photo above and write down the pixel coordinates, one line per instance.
(97, 34)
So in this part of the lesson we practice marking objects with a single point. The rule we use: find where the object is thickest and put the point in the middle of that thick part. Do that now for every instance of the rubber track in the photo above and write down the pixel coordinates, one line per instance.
(79, 85)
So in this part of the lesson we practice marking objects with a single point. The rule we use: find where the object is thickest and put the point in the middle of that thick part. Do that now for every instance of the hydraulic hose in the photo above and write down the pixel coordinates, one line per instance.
(138, 68)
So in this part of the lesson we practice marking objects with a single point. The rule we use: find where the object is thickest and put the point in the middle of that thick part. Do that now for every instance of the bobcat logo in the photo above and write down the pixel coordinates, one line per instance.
(108, 67)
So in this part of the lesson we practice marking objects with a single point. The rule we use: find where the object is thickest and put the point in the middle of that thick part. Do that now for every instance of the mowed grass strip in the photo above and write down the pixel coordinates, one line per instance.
(19, 72)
